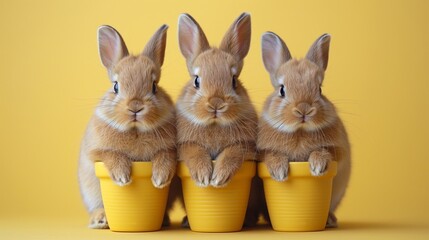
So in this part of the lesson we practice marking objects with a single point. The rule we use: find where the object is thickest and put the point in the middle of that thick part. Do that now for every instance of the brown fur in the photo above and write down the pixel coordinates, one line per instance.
(215, 121)
(303, 125)
(132, 125)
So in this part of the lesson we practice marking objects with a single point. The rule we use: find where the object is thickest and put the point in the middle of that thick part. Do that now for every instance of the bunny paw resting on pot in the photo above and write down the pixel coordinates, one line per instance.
(135, 120)
(298, 122)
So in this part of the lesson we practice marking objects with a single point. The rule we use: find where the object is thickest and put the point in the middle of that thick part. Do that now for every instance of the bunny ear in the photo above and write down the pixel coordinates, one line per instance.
(319, 51)
(237, 39)
(192, 39)
(274, 52)
(155, 48)
(111, 46)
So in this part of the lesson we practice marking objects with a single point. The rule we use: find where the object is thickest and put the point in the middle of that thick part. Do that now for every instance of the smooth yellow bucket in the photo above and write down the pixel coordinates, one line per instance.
(137, 207)
(212, 209)
(300, 203)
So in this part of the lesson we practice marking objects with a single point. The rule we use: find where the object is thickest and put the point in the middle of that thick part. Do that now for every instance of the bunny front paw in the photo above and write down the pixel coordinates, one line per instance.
(121, 174)
(278, 170)
(202, 173)
(160, 178)
(319, 161)
(220, 178)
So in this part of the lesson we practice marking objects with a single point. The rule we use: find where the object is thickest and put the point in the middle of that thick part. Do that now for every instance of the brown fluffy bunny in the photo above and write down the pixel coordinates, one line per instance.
(215, 118)
(133, 122)
(298, 122)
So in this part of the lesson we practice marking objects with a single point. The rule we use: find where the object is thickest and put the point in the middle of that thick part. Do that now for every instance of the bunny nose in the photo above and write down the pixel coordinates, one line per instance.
(216, 104)
(303, 111)
(136, 111)
(135, 106)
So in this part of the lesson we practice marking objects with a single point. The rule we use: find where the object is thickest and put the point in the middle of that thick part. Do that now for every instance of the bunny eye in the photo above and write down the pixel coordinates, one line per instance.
(154, 88)
(234, 82)
(116, 87)
(282, 91)
(197, 82)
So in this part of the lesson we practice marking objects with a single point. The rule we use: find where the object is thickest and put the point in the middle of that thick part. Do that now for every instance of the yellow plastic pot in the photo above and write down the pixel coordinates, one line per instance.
(212, 209)
(301, 203)
(137, 207)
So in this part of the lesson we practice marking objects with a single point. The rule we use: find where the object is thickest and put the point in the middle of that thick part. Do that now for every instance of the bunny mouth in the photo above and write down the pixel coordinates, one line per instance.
(219, 119)
(136, 116)
(213, 119)
(303, 123)
(304, 120)
(136, 122)
(216, 114)
(135, 119)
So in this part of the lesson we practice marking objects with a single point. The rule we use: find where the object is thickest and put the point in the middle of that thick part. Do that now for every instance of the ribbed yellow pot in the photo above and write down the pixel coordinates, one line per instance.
(301, 203)
(136, 207)
(212, 209)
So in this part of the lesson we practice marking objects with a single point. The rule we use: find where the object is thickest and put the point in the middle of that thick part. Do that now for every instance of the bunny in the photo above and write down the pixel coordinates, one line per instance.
(135, 120)
(216, 120)
(298, 122)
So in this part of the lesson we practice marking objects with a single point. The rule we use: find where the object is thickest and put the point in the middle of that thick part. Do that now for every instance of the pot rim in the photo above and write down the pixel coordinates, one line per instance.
(138, 169)
(299, 169)
(248, 169)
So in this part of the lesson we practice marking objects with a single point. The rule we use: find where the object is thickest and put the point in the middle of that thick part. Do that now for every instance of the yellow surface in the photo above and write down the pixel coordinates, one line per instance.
(302, 202)
(51, 80)
(217, 209)
(138, 206)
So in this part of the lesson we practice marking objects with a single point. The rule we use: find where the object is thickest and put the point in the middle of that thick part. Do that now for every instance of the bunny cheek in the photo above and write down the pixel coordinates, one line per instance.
(326, 116)
(151, 116)
(112, 114)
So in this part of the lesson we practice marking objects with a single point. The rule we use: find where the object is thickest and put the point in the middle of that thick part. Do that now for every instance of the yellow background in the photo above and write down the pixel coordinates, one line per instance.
(51, 79)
